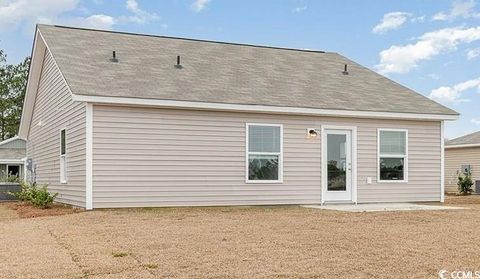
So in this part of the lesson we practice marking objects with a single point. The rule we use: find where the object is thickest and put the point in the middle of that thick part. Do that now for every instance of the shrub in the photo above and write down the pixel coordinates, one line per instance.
(25, 193)
(42, 198)
(37, 196)
(12, 179)
(465, 183)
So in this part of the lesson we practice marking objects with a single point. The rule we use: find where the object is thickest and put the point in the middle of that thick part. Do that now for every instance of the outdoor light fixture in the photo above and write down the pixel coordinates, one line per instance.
(312, 133)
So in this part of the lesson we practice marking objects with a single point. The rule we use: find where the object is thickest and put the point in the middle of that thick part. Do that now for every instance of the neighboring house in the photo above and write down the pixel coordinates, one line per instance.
(182, 122)
(12, 163)
(462, 155)
(12, 158)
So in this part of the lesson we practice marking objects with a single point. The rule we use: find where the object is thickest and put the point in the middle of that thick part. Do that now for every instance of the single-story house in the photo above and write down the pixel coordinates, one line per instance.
(116, 119)
(12, 166)
(462, 155)
(12, 158)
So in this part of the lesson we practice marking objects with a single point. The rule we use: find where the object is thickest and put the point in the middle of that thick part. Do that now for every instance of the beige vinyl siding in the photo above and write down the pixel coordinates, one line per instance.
(55, 110)
(15, 144)
(168, 157)
(454, 159)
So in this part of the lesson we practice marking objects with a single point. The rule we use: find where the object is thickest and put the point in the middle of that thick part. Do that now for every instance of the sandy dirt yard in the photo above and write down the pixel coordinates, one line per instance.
(241, 242)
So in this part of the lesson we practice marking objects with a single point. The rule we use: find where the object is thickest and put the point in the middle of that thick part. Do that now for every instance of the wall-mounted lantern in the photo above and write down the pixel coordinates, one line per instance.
(312, 133)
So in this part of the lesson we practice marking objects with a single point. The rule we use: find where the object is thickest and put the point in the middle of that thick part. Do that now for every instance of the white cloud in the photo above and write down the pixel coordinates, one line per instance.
(300, 9)
(97, 21)
(433, 76)
(391, 21)
(464, 9)
(16, 12)
(418, 19)
(475, 121)
(473, 53)
(199, 5)
(403, 58)
(453, 94)
(139, 16)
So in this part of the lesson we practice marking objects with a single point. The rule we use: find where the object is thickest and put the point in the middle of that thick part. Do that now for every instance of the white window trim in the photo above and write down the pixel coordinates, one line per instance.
(405, 167)
(280, 155)
(63, 157)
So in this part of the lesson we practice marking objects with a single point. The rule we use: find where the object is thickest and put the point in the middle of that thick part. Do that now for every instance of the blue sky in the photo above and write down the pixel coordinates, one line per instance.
(431, 46)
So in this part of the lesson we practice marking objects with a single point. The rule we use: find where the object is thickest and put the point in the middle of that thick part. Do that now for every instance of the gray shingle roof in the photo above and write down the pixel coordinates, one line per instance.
(223, 73)
(473, 138)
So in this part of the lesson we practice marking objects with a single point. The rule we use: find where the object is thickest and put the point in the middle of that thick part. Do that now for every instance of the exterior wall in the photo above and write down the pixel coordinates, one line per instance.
(12, 153)
(15, 144)
(454, 159)
(168, 157)
(55, 110)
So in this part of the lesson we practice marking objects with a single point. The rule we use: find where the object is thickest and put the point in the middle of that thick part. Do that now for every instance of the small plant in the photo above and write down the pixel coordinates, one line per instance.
(42, 198)
(25, 193)
(12, 179)
(151, 265)
(37, 196)
(120, 254)
(465, 183)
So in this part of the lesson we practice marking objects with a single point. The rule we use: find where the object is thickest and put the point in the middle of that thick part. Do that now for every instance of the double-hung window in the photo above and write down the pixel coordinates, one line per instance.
(264, 153)
(63, 156)
(392, 155)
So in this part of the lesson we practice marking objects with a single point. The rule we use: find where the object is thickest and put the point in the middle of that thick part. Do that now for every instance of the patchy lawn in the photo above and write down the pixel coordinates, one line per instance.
(242, 242)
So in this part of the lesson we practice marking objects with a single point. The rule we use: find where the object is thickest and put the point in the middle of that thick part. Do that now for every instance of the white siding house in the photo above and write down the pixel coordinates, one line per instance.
(462, 155)
(180, 122)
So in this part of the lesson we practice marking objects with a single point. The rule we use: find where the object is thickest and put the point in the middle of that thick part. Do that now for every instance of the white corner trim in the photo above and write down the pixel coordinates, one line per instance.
(442, 162)
(89, 157)
(323, 161)
(257, 108)
(461, 145)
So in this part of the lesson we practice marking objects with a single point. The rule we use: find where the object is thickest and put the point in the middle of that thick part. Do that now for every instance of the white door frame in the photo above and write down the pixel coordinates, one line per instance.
(353, 130)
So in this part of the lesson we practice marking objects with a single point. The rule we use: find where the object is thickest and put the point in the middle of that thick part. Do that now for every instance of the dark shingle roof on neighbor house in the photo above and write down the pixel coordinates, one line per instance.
(225, 73)
(473, 138)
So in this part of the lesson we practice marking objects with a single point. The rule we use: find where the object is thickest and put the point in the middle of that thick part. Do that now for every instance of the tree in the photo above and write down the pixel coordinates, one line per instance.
(13, 84)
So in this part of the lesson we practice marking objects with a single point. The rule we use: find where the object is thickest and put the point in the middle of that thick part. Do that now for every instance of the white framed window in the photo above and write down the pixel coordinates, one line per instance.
(392, 153)
(264, 153)
(13, 170)
(63, 156)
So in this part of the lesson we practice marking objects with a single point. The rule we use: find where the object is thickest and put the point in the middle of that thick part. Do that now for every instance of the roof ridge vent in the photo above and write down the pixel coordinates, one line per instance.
(114, 57)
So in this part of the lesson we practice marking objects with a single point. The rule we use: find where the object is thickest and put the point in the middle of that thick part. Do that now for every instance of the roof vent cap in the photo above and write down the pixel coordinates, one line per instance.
(178, 65)
(114, 57)
(345, 70)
